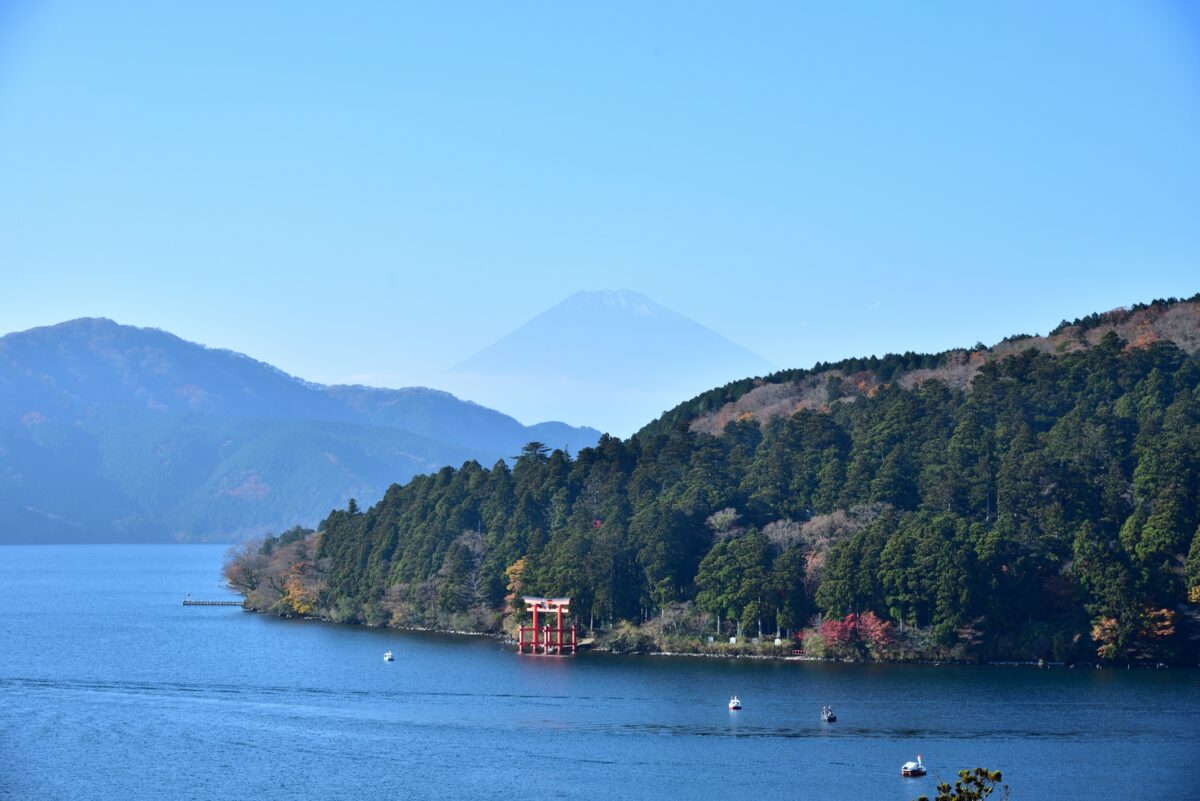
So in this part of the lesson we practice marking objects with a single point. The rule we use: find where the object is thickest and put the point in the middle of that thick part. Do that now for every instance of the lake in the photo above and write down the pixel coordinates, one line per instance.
(111, 689)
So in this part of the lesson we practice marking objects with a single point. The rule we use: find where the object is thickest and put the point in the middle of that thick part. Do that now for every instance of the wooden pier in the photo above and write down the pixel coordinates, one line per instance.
(190, 602)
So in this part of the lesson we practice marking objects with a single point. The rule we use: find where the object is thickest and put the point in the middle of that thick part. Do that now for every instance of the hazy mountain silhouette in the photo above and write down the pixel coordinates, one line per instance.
(616, 358)
(110, 432)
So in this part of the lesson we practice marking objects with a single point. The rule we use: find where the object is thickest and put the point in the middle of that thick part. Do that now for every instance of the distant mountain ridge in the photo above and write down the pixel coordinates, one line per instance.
(576, 339)
(617, 354)
(111, 432)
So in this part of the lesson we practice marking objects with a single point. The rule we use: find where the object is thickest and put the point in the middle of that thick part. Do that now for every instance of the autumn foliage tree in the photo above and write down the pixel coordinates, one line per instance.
(856, 635)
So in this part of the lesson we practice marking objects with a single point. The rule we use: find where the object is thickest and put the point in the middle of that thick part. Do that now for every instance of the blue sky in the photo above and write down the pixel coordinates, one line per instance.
(373, 191)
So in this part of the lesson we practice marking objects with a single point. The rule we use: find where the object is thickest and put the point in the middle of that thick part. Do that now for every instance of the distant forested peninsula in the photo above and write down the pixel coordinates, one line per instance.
(1033, 500)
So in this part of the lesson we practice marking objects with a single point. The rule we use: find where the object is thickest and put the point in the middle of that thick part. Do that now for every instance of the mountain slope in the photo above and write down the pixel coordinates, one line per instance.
(110, 432)
(616, 354)
(445, 418)
(614, 337)
(783, 393)
(67, 369)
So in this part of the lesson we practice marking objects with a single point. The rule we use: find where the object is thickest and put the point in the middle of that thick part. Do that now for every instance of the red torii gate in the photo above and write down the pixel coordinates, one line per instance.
(543, 638)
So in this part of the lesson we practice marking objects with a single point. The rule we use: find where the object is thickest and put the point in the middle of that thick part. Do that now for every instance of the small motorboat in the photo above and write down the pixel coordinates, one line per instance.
(734, 703)
(387, 657)
(913, 768)
(827, 715)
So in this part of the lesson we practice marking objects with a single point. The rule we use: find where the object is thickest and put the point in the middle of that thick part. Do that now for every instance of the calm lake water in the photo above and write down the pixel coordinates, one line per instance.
(111, 689)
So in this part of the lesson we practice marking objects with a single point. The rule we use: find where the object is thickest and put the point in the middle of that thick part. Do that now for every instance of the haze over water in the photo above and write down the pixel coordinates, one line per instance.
(110, 689)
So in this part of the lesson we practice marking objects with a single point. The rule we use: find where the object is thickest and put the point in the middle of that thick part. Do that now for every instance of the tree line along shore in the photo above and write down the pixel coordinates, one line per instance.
(1046, 509)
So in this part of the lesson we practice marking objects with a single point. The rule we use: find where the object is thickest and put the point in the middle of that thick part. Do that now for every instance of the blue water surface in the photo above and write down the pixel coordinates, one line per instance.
(111, 689)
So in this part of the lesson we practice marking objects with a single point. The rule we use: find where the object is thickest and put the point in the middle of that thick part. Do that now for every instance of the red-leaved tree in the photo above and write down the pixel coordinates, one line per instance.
(854, 633)
(875, 632)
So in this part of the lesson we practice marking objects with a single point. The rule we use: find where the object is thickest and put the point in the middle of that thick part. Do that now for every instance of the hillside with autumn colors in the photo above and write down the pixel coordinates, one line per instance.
(788, 391)
(1037, 499)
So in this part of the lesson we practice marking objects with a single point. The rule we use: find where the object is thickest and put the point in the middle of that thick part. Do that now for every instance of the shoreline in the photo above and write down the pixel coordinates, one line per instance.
(507, 639)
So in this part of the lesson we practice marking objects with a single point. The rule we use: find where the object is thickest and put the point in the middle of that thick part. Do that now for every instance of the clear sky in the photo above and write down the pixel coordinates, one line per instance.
(373, 191)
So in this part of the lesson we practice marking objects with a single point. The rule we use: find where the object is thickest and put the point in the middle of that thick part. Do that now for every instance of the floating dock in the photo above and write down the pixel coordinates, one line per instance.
(190, 602)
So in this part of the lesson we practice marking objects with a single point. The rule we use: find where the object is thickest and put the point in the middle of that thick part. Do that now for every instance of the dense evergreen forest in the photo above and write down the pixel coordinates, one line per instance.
(1047, 510)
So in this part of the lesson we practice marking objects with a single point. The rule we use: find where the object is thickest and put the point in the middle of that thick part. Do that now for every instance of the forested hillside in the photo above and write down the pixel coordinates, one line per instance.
(1045, 508)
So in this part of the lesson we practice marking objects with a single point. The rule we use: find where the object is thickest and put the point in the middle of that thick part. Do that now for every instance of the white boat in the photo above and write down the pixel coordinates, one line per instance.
(913, 768)
(387, 657)
(827, 714)
(734, 703)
